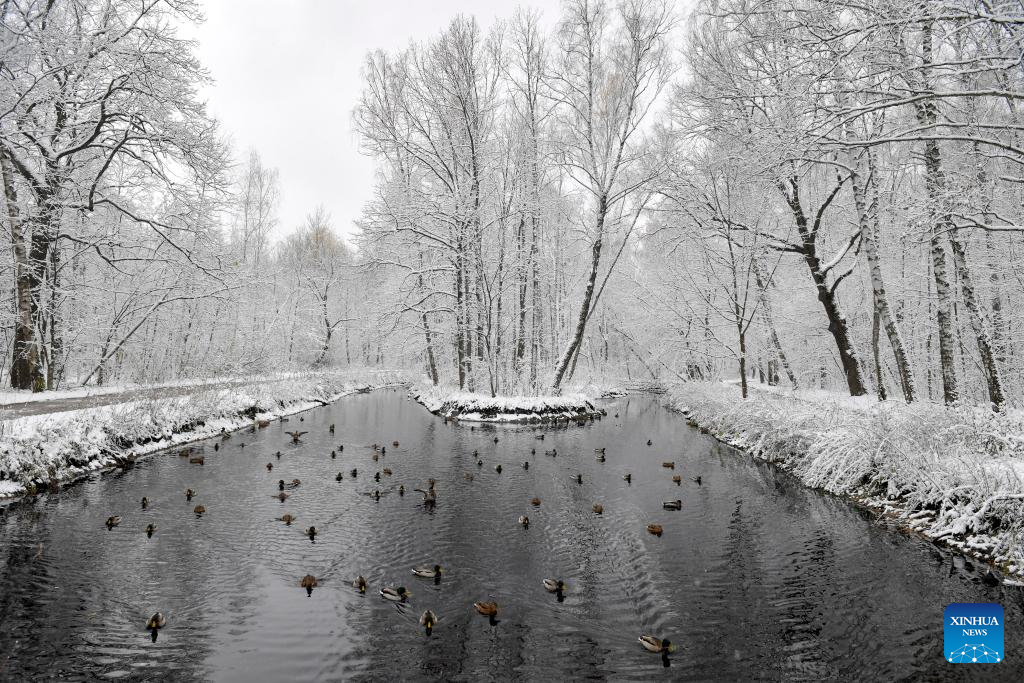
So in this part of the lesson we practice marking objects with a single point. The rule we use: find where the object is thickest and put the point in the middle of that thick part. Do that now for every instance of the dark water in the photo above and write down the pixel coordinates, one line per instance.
(756, 578)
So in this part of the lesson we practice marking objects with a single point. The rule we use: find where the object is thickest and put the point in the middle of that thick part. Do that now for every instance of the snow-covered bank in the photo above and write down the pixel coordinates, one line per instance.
(955, 475)
(46, 449)
(481, 408)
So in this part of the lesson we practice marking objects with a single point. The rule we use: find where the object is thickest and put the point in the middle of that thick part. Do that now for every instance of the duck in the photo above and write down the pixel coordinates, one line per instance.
(199, 510)
(376, 457)
(145, 502)
(535, 502)
(600, 457)
(495, 439)
(672, 505)
(262, 423)
(524, 521)
(309, 583)
(648, 442)
(198, 460)
(487, 609)
(376, 495)
(401, 489)
(556, 586)
(654, 529)
(331, 430)
(599, 450)
(296, 435)
(287, 519)
(338, 476)
(553, 452)
(468, 476)
(216, 447)
(150, 528)
(579, 479)
(189, 494)
(224, 433)
(360, 584)
(341, 448)
(428, 572)
(387, 471)
(270, 467)
(677, 479)
(533, 451)
(399, 594)
(526, 464)
(282, 496)
(539, 436)
(628, 478)
(429, 497)
(278, 455)
(479, 463)
(113, 521)
(311, 532)
(155, 623)
(497, 468)
(376, 476)
(280, 484)
(598, 509)
(669, 465)
(334, 455)
(657, 645)
(696, 480)
(354, 472)
(395, 444)
(427, 621)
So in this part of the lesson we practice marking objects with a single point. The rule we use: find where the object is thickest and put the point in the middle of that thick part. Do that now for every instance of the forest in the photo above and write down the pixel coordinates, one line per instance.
(811, 194)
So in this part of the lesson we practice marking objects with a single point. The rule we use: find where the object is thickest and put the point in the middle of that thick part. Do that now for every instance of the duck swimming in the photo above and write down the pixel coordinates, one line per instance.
(535, 502)
(628, 478)
(399, 594)
(338, 477)
(198, 460)
(487, 609)
(655, 529)
(497, 468)
(295, 435)
(311, 532)
(282, 496)
(360, 583)
(526, 464)
(598, 509)
(696, 480)
(648, 442)
(429, 573)
(287, 519)
(155, 623)
(669, 465)
(427, 621)
(189, 494)
(145, 502)
(677, 479)
(556, 586)
(270, 466)
(672, 505)
(525, 521)
(150, 528)
(113, 521)
(652, 644)
(199, 510)
(309, 583)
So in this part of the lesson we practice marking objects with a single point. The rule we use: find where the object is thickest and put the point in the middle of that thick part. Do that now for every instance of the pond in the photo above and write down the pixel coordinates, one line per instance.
(755, 577)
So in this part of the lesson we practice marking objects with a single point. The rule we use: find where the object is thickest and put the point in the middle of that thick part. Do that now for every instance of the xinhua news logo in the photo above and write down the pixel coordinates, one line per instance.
(973, 633)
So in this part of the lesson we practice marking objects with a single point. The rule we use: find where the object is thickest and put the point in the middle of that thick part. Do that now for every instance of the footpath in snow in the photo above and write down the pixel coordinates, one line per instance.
(952, 474)
(481, 408)
(46, 450)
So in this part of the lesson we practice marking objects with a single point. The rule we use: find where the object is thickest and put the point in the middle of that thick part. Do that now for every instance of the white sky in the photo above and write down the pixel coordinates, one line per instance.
(288, 75)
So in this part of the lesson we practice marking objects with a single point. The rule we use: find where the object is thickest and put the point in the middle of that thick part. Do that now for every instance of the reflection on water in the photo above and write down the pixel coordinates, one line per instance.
(754, 578)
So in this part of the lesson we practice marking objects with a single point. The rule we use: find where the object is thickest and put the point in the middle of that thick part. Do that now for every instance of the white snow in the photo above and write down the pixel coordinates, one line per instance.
(483, 408)
(954, 474)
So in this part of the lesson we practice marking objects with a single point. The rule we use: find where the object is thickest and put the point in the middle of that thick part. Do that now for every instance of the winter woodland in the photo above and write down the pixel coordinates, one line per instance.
(800, 193)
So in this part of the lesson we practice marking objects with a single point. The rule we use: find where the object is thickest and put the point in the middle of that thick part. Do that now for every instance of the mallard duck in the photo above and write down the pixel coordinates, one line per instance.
(311, 532)
(525, 521)
(155, 622)
(280, 484)
(287, 519)
(383, 451)
(145, 502)
(598, 509)
(677, 479)
(672, 505)
(656, 645)
(199, 510)
(262, 423)
(479, 463)
(282, 496)
(113, 521)
(497, 468)
(427, 620)
(648, 442)
(495, 439)
(487, 609)
(655, 529)
(334, 455)
(556, 586)
(539, 436)
(553, 452)
(468, 476)
(579, 479)
(386, 471)
(669, 465)
(309, 583)
(696, 480)
(295, 483)
(533, 451)
(376, 458)
(338, 477)
(150, 528)
(216, 447)
(199, 460)
(224, 433)
(599, 450)
(332, 428)
(189, 494)
(401, 489)
(395, 444)
(535, 502)
(278, 455)
(376, 476)
(360, 584)
(270, 467)
(526, 464)
(428, 572)
(295, 435)
(341, 448)
(399, 594)
(600, 457)
(628, 478)
(184, 452)
(376, 494)
(354, 472)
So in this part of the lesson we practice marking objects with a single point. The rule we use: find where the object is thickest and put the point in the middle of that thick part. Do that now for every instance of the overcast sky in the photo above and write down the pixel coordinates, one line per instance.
(288, 75)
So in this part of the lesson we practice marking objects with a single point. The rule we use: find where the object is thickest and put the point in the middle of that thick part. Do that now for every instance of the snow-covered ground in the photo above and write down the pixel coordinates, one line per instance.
(40, 449)
(953, 474)
(482, 408)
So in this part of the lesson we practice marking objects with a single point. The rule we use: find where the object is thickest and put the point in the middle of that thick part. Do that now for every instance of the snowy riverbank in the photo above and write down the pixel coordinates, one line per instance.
(40, 450)
(954, 475)
(482, 408)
